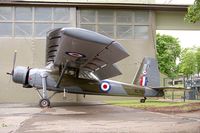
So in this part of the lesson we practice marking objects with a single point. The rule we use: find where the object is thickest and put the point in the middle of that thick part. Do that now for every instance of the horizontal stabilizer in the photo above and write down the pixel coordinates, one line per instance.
(168, 88)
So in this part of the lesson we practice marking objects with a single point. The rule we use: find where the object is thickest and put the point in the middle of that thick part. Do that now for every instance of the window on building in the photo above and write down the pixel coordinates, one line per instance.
(141, 17)
(41, 29)
(23, 21)
(91, 27)
(124, 31)
(5, 13)
(43, 14)
(105, 16)
(88, 19)
(61, 14)
(23, 29)
(23, 14)
(60, 25)
(119, 24)
(106, 29)
(141, 32)
(6, 29)
(32, 21)
(124, 17)
(87, 16)
(6, 17)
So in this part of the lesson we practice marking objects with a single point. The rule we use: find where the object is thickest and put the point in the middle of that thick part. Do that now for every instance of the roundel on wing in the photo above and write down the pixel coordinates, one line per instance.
(105, 86)
(75, 54)
(144, 72)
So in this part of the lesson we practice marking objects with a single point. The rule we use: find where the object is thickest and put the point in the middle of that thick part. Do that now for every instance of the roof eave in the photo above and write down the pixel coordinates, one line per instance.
(159, 7)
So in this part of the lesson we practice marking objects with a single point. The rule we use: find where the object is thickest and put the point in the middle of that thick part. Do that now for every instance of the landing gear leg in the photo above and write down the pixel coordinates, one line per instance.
(44, 101)
(143, 100)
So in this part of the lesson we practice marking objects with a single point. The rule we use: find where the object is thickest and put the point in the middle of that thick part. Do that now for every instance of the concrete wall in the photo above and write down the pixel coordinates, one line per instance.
(172, 20)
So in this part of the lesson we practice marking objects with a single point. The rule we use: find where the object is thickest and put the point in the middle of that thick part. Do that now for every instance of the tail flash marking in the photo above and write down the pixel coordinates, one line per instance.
(143, 77)
(143, 80)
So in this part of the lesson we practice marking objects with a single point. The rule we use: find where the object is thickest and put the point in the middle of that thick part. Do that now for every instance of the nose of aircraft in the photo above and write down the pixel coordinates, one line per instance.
(20, 74)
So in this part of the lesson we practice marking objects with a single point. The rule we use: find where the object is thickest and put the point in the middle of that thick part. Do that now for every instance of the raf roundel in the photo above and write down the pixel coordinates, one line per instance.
(105, 86)
(75, 54)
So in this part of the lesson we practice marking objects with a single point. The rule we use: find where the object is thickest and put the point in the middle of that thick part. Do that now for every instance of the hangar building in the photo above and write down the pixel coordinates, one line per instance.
(23, 27)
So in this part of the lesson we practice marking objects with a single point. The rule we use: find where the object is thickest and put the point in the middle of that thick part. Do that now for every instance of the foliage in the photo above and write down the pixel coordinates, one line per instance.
(193, 14)
(168, 50)
(188, 62)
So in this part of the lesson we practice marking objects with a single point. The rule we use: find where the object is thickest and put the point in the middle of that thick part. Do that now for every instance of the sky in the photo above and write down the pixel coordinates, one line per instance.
(186, 38)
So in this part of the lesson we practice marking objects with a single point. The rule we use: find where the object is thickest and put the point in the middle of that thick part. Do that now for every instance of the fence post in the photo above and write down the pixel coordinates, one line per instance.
(184, 96)
(196, 91)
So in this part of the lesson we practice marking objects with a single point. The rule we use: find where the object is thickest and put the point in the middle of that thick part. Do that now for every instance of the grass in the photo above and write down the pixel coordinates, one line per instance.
(177, 94)
(148, 103)
(154, 104)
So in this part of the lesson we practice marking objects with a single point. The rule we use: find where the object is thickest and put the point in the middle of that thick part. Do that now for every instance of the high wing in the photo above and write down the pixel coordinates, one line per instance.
(86, 50)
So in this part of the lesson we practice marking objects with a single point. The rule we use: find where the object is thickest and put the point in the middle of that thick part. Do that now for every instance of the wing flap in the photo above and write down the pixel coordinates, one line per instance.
(108, 71)
(113, 53)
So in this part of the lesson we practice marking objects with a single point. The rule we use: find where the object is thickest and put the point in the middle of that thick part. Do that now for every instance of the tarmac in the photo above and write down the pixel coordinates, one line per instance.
(92, 118)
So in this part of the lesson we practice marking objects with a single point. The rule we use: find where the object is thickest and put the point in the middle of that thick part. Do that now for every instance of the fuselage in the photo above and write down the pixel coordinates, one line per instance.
(33, 78)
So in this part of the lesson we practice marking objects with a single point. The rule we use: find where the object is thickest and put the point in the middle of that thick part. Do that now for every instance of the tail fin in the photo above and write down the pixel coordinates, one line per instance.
(148, 73)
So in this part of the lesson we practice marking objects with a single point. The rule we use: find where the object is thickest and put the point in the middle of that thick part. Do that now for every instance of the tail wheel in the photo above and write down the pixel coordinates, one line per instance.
(44, 103)
(142, 100)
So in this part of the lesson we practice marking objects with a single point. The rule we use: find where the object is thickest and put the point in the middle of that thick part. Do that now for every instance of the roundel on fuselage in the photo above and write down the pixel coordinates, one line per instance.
(105, 86)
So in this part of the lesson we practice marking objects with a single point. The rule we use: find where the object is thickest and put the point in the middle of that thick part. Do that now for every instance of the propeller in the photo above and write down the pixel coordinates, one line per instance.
(14, 61)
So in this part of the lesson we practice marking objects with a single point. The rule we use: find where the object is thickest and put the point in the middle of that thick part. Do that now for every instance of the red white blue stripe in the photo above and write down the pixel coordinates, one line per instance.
(143, 80)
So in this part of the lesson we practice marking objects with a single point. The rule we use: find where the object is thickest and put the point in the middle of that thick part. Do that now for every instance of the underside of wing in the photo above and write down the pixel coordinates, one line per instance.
(85, 50)
(107, 72)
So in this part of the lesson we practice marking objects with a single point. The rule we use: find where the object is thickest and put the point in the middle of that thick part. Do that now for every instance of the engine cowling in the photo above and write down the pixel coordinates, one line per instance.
(20, 75)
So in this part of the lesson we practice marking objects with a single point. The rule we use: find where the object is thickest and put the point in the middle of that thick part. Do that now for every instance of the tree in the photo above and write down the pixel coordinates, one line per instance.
(188, 62)
(197, 54)
(193, 13)
(168, 50)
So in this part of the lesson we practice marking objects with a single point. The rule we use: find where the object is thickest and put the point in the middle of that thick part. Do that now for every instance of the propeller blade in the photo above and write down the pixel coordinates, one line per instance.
(14, 61)
(13, 67)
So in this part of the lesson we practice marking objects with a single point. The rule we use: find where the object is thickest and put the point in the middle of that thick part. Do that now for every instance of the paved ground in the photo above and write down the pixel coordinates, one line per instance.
(92, 117)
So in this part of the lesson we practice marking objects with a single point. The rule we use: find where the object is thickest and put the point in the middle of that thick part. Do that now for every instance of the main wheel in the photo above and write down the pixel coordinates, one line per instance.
(44, 103)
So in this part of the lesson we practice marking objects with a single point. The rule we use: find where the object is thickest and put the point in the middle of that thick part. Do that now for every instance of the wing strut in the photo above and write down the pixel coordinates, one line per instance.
(61, 75)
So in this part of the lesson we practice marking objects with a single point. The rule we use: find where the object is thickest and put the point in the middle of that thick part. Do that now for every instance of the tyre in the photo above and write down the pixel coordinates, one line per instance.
(142, 100)
(44, 103)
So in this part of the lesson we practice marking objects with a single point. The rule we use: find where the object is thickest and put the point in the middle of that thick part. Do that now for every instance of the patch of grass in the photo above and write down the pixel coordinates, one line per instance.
(177, 94)
(150, 103)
